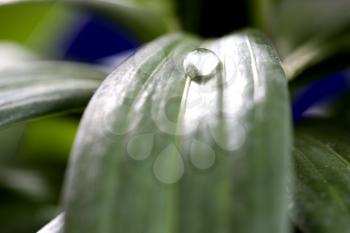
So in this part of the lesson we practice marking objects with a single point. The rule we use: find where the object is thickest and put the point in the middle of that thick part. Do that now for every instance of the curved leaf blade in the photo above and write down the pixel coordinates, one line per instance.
(35, 89)
(250, 125)
(315, 53)
(149, 101)
(321, 199)
(54, 226)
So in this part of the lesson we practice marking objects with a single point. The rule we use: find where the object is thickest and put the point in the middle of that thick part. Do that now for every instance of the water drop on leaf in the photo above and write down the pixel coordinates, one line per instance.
(202, 64)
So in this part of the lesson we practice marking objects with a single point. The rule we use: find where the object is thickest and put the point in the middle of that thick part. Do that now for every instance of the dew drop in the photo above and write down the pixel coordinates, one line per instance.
(201, 64)
(140, 147)
(168, 168)
(202, 155)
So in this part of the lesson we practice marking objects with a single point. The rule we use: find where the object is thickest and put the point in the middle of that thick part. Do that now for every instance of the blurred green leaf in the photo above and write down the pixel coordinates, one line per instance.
(24, 182)
(148, 19)
(321, 198)
(54, 226)
(10, 141)
(294, 22)
(32, 89)
(319, 55)
(39, 25)
(137, 166)
(38, 145)
(14, 53)
(25, 217)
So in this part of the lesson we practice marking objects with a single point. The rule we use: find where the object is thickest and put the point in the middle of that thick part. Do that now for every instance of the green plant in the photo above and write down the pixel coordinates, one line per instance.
(189, 134)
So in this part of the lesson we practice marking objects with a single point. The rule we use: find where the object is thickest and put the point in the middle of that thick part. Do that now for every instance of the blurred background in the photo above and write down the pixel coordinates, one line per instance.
(33, 155)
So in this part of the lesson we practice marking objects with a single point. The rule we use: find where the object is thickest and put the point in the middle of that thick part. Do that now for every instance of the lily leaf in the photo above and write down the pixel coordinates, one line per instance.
(164, 150)
(32, 89)
(321, 199)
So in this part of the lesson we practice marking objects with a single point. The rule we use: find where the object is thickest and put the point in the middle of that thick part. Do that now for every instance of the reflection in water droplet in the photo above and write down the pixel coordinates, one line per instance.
(202, 155)
(140, 147)
(169, 167)
(202, 64)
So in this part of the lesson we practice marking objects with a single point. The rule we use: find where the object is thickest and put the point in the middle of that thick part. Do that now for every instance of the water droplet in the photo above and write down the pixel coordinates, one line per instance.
(140, 147)
(202, 64)
(169, 167)
(202, 155)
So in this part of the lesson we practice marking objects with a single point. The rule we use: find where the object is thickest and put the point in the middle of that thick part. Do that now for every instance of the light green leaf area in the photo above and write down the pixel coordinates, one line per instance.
(322, 191)
(35, 24)
(319, 55)
(160, 150)
(292, 23)
(32, 89)
(147, 19)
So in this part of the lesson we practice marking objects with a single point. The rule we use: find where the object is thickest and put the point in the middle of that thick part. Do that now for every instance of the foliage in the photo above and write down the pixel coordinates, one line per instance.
(164, 146)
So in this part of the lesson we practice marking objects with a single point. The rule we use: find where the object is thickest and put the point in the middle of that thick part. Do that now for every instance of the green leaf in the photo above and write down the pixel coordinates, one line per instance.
(24, 182)
(292, 23)
(324, 53)
(54, 226)
(9, 141)
(32, 89)
(40, 25)
(148, 19)
(158, 151)
(321, 198)
(26, 217)
(37, 144)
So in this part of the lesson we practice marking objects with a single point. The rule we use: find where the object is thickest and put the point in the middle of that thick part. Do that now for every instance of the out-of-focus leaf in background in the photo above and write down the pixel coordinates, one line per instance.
(38, 25)
(33, 155)
(33, 160)
(147, 19)
(29, 89)
(293, 22)
(321, 55)
(321, 156)
(43, 145)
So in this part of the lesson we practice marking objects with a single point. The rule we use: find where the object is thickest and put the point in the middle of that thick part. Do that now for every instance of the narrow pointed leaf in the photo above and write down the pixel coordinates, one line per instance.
(33, 89)
(321, 199)
(54, 226)
(317, 55)
(236, 113)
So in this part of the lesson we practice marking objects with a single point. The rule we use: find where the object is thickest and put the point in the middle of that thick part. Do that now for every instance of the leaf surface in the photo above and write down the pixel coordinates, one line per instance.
(160, 152)
(321, 199)
(32, 89)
